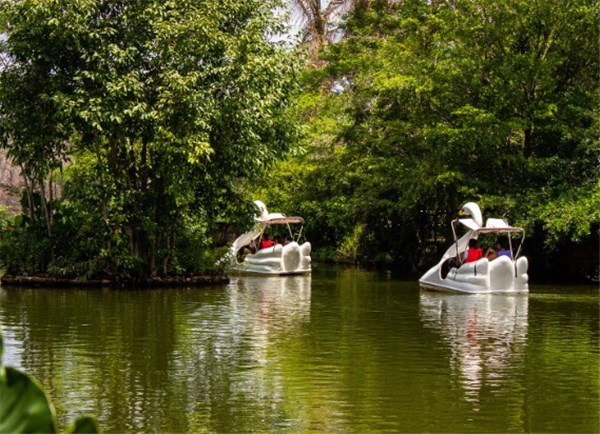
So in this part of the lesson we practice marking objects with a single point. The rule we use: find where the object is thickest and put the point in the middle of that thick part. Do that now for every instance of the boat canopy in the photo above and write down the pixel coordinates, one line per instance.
(273, 218)
(506, 230)
(492, 226)
(265, 219)
(281, 220)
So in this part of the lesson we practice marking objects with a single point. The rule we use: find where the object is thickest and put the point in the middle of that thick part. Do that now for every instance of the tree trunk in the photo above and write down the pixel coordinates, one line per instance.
(29, 191)
(45, 206)
(527, 147)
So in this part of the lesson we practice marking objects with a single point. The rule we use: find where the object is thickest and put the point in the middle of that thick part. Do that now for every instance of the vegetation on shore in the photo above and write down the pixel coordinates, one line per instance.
(162, 120)
(424, 106)
(149, 114)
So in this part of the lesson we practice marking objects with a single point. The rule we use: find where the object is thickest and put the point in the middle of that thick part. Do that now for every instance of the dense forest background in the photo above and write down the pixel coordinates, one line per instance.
(143, 130)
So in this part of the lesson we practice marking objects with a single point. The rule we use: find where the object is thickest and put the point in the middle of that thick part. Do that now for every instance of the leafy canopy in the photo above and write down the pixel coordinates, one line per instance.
(162, 107)
(427, 105)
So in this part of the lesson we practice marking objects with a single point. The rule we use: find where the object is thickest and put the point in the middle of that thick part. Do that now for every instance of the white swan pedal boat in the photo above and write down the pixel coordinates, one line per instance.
(246, 256)
(504, 274)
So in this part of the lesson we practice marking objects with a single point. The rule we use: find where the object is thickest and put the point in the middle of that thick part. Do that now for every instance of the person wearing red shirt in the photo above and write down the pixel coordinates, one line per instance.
(266, 242)
(473, 252)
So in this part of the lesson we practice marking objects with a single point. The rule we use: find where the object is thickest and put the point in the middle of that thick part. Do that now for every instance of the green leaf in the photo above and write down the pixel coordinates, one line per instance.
(24, 407)
(83, 424)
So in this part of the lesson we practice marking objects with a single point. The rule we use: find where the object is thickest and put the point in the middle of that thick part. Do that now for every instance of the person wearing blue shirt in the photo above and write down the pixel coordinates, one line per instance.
(501, 248)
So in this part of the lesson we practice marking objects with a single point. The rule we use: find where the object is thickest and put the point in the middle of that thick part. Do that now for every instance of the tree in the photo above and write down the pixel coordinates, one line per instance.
(162, 106)
(321, 22)
(427, 105)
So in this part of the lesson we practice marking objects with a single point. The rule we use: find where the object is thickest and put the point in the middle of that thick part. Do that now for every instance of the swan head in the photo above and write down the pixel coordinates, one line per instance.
(472, 209)
(262, 207)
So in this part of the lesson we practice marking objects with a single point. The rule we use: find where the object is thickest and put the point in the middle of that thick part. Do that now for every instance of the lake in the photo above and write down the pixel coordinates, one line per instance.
(342, 350)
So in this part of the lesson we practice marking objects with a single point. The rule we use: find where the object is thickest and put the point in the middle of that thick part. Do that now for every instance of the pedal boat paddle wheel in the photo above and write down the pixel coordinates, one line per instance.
(504, 274)
(289, 257)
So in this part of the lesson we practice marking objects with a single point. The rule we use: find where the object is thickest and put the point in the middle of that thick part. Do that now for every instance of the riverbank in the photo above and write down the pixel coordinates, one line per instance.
(42, 280)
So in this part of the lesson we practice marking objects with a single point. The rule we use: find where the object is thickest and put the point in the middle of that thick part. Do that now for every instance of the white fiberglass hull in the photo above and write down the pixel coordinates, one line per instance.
(502, 275)
(277, 260)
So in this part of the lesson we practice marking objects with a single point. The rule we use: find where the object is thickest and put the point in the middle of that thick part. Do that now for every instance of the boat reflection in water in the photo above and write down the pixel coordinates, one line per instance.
(486, 334)
(269, 309)
(280, 299)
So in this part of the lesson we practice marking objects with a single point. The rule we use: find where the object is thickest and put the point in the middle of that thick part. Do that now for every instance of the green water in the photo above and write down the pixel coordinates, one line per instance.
(338, 351)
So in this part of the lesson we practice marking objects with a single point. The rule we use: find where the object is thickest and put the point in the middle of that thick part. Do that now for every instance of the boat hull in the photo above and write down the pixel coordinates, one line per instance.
(277, 260)
(502, 275)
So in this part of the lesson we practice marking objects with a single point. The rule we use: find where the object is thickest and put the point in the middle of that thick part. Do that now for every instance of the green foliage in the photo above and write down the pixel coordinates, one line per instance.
(171, 111)
(163, 107)
(569, 215)
(83, 424)
(24, 407)
(23, 243)
(427, 105)
(349, 248)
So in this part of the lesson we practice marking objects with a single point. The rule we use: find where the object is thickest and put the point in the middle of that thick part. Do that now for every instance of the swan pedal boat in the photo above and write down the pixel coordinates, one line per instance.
(502, 275)
(289, 259)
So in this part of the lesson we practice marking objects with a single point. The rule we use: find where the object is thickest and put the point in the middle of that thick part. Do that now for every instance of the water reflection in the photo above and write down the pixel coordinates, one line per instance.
(182, 360)
(269, 313)
(237, 371)
(278, 301)
(485, 333)
(338, 351)
(273, 305)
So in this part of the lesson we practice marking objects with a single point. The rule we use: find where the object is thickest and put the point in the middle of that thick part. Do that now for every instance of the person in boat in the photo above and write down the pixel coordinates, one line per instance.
(502, 249)
(287, 240)
(473, 252)
(266, 242)
(244, 251)
(491, 254)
